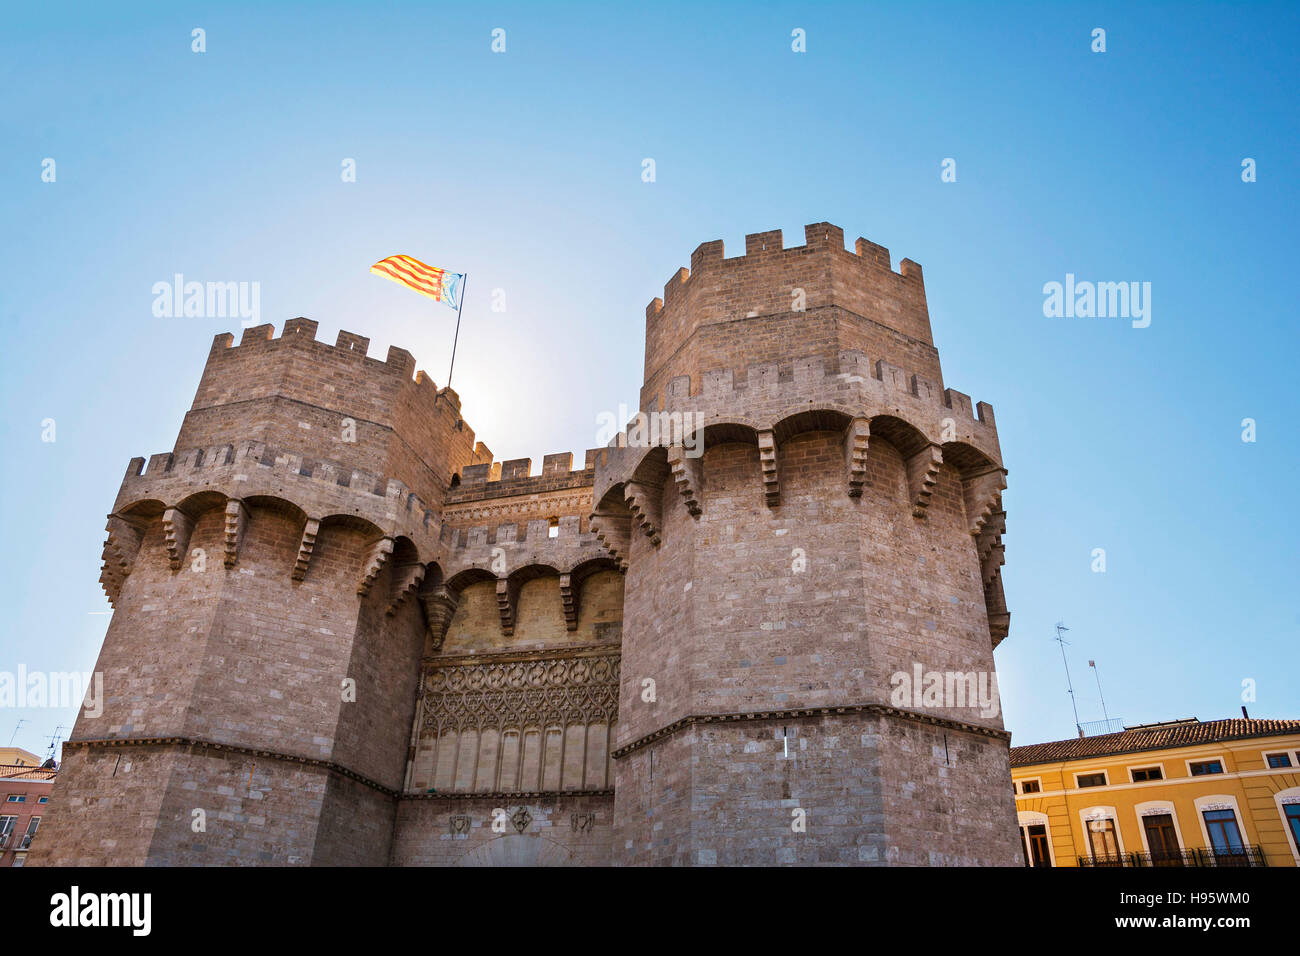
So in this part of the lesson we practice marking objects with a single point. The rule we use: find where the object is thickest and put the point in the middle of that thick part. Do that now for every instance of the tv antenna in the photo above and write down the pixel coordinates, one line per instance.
(1097, 674)
(54, 739)
(15, 733)
(1060, 627)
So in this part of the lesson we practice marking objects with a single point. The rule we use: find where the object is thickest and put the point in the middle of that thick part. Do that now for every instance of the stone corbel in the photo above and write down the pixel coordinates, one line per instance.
(569, 600)
(439, 608)
(999, 617)
(645, 503)
(614, 532)
(305, 548)
(121, 548)
(922, 475)
(507, 602)
(380, 552)
(767, 461)
(688, 474)
(983, 494)
(236, 522)
(177, 528)
(856, 437)
(406, 581)
(122, 544)
(991, 533)
(991, 562)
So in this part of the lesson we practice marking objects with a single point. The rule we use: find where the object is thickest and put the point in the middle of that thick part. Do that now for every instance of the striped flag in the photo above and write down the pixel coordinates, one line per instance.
(438, 284)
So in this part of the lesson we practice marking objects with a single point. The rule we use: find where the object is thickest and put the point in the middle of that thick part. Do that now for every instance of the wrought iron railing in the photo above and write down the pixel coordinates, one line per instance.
(1166, 858)
(1107, 859)
(1231, 856)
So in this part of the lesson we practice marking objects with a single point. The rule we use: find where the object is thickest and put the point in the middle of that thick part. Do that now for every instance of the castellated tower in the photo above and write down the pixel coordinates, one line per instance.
(842, 526)
(343, 634)
(272, 556)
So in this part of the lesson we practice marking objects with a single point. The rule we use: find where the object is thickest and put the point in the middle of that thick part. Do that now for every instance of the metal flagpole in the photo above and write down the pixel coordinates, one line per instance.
(464, 284)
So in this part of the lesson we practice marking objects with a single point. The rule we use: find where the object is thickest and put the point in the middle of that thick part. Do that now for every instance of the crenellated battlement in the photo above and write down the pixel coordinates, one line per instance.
(516, 545)
(348, 351)
(504, 479)
(179, 488)
(750, 308)
(302, 332)
(254, 467)
(761, 380)
(776, 396)
(333, 402)
(767, 248)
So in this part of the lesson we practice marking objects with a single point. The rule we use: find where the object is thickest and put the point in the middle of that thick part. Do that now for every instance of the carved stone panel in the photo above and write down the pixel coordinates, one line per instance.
(519, 722)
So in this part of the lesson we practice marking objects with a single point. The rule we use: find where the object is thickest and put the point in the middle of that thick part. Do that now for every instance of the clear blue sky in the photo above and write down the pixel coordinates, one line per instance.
(524, 169)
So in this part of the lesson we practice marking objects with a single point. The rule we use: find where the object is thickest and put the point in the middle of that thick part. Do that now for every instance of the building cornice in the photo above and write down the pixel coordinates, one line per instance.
(875, 710)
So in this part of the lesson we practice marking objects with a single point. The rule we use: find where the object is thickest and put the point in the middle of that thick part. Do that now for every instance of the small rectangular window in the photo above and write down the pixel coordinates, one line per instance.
(1203, 767)
(1147, 773)
(1030, 786)
(17, 798)
(1091, 780)
(1279, 760)
(44, 800)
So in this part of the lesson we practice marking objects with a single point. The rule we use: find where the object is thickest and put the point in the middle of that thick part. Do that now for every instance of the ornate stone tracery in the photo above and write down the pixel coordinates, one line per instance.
(519, 722)
(526, 691)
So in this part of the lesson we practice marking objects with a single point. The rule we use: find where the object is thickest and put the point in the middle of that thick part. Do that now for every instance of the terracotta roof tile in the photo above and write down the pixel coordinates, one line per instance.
(20, 772)
(1157, 737)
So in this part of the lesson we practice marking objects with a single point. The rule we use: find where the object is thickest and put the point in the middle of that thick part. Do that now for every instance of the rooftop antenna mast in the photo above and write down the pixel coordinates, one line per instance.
(1097, 674)
(54, 739)
(15, 733)
(1060, 627)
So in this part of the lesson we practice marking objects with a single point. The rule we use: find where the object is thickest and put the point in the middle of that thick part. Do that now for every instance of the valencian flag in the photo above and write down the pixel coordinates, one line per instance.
(438, 284)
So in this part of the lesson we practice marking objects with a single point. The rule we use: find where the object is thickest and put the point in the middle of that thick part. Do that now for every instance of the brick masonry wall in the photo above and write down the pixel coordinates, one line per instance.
(725, 313)
(866, 790)
(720, 619)
(944, 799)
(294, 393)
(424, 835)
(104, 808)
(744, 342)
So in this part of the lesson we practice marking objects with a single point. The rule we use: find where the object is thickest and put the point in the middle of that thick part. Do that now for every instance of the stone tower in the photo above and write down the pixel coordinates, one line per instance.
(345, 635)
(841, 527)
(255, 571)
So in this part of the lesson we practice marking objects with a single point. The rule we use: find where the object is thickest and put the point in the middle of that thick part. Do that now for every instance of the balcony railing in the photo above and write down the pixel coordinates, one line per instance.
(25, 842)
(1232, 856)
(1166, 858)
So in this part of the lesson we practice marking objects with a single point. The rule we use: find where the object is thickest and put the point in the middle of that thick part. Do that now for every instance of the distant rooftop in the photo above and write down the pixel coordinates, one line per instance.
(21, 772)
(17, 755)
(1187, 732)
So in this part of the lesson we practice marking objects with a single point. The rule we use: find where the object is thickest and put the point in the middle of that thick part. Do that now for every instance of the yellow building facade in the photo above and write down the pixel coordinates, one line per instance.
(1182, 793)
